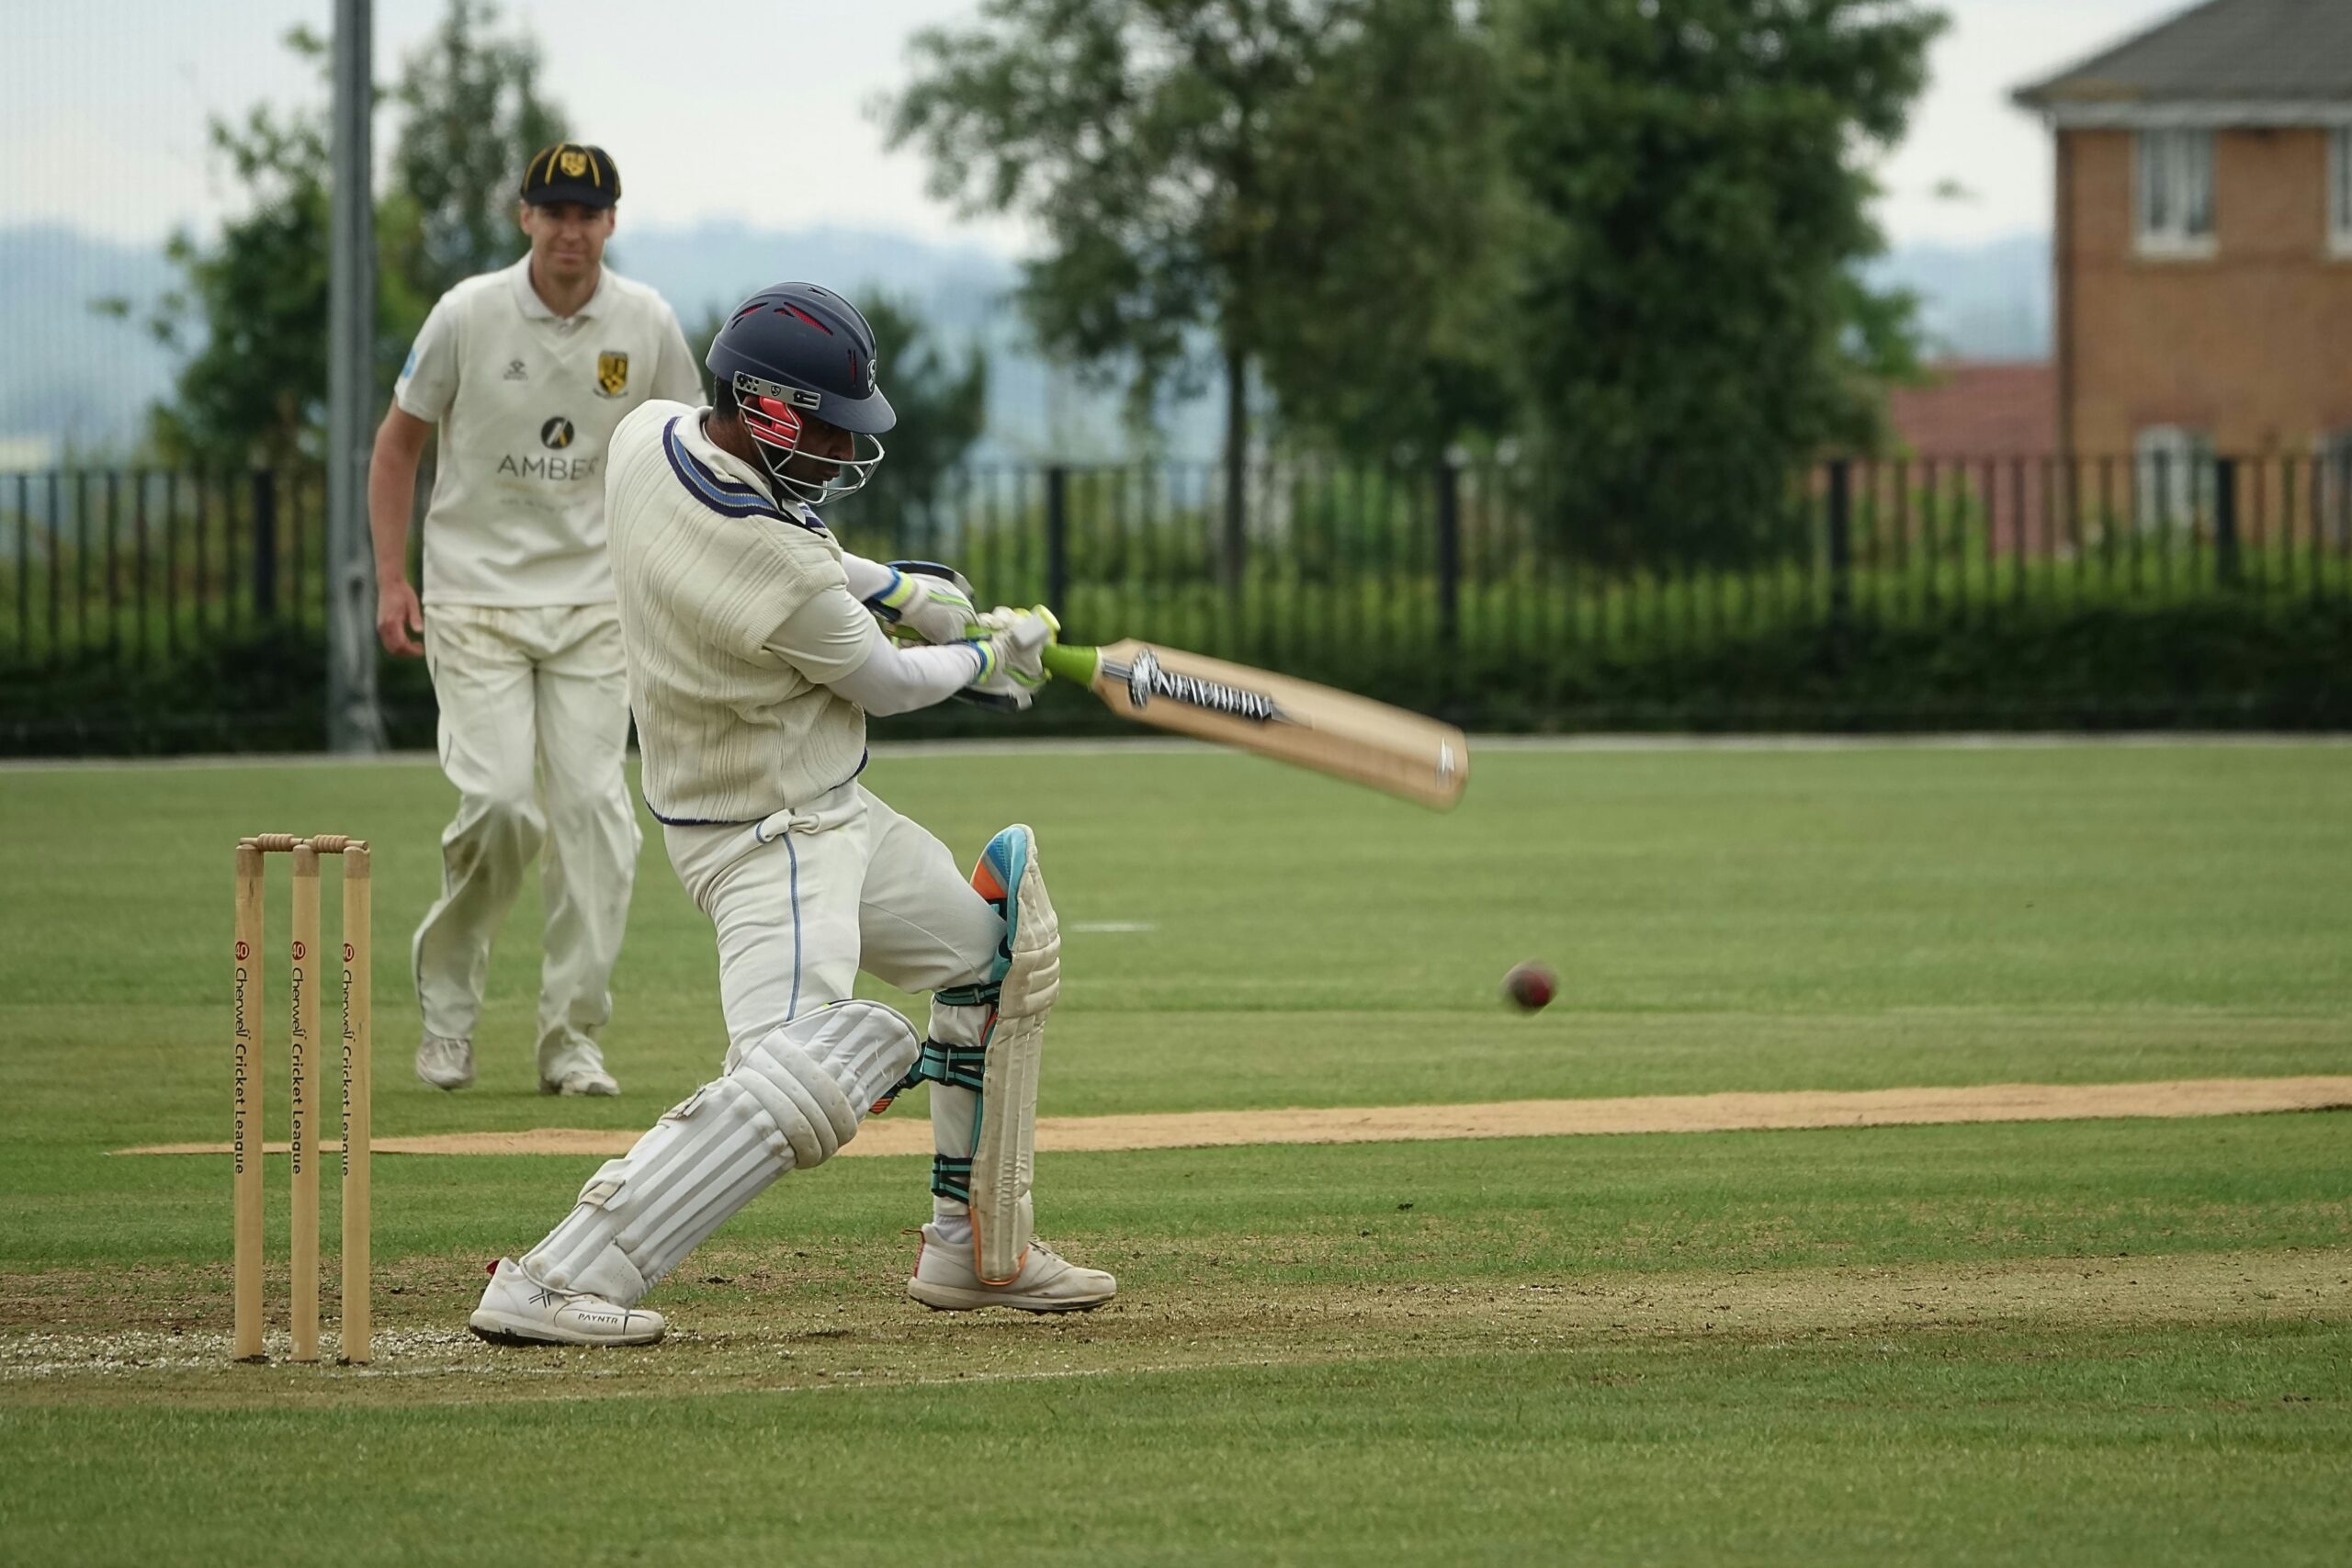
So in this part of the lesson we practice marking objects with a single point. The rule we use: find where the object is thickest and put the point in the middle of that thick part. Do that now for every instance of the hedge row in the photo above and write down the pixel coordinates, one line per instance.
(2221, 663)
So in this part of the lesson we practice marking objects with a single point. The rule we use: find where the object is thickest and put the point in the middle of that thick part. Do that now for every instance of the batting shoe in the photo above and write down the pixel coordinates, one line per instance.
(444, 1063)
(945, 1281)
(518, 1310)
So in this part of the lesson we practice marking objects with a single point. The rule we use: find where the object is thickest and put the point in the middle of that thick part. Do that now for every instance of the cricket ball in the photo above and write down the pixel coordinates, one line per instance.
(1531, 985)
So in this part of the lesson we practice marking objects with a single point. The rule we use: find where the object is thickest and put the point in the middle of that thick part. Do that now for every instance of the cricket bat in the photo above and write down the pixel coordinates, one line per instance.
(1295, 721)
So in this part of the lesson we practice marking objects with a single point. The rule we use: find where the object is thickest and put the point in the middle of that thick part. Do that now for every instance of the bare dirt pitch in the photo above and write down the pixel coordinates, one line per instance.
(851, 1334)
(1503, 1119)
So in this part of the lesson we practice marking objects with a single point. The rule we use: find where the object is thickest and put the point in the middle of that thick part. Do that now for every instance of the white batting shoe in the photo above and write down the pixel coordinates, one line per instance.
(518, 1310)
(444, 1063)
(945, 1281)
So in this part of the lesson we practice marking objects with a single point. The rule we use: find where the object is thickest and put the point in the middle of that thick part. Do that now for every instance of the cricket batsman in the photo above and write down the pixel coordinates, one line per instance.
(755, 652)
(526, 371)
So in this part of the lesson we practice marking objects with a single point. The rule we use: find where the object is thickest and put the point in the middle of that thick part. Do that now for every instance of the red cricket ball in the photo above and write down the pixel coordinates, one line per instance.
(1531, 985)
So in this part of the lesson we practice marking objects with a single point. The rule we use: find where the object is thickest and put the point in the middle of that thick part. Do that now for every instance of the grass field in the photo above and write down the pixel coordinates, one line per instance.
(2116, 1341)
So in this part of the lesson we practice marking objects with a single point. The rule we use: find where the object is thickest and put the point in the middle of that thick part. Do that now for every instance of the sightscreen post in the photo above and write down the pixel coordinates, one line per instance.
(354, 724)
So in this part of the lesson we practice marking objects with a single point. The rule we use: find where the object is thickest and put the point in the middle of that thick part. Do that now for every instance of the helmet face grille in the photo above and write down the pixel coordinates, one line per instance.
(768, 415)
(797, 354)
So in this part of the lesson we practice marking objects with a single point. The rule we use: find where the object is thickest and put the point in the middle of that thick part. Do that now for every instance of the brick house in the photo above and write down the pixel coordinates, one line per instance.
(2203, 240)
(1978, 407)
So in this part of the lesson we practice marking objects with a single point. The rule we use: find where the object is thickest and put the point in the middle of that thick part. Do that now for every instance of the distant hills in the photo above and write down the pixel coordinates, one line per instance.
(72, 380)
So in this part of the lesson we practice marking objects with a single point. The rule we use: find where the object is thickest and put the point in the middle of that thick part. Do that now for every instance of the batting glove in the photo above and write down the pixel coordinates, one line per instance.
(1011, 653)
(928, 602)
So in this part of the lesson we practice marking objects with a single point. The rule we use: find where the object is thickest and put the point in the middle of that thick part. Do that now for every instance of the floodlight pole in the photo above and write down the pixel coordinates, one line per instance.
(353, 723)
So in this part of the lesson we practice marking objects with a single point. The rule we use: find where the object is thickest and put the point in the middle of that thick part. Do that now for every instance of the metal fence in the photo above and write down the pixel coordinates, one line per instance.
(138, 567)
(1334, 571)
(133, 566)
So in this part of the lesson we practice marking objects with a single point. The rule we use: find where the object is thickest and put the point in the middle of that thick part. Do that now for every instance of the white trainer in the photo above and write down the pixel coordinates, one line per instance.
(945, 1281)
(518, 1310)
(581, 1081)
(444, 1063)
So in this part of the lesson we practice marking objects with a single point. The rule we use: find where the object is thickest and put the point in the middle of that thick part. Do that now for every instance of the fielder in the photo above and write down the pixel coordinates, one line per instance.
(528, 371)
(755, 652)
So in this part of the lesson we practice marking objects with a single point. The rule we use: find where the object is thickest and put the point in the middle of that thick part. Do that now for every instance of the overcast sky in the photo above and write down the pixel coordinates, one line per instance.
(760, 109)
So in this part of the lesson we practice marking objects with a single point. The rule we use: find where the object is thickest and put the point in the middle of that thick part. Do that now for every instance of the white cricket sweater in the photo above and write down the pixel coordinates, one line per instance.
(706, 566)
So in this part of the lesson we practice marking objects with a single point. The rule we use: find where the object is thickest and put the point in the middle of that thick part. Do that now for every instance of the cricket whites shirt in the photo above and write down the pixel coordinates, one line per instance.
(527, 402)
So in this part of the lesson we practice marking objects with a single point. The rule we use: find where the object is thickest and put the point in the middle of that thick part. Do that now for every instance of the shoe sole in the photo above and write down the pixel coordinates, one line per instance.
(498, 1328)
(952, 1298)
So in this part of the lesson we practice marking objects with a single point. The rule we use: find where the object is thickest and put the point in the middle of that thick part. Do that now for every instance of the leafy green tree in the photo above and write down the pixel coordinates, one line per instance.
(1695, 330)
(941, 399)
(473, 117)
(250, 310)
(1193, 167)
(1392, 282)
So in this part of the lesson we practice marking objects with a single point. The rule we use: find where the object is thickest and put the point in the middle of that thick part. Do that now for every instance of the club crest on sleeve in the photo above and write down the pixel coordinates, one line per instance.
(612, 374)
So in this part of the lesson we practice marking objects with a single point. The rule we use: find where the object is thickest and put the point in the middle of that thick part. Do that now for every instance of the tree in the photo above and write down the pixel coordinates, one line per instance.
(250, 311)
(1192, 165)
(1392, 284)
(1695, 328)
(942, 403)
(474, 117)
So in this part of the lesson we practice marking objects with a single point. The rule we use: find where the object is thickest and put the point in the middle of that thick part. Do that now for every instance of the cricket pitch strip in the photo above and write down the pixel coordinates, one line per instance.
(1503, 1119)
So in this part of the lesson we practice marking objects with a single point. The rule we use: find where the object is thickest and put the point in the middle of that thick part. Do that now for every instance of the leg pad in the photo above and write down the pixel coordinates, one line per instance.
(788, 1103)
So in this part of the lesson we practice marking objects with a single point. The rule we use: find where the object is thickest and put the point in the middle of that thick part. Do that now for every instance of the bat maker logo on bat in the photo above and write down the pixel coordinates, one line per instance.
(1146, 679)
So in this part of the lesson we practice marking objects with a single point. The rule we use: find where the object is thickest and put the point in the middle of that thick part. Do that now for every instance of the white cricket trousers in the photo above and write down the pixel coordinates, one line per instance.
(534, 732)
(804, 900)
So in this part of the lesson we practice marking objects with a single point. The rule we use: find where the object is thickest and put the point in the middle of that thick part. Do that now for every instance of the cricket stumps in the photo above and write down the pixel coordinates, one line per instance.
(306, 972)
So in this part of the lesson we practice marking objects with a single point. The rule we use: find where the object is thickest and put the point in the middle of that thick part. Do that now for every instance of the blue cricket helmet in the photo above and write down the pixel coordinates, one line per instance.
(814, 345)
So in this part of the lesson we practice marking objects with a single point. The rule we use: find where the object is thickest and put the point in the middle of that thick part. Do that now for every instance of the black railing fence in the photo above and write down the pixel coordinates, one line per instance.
(137, 566)
(1343, 573)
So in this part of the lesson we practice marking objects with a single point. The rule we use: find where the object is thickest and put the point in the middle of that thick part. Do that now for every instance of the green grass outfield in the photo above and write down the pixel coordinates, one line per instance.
(2120, 1341)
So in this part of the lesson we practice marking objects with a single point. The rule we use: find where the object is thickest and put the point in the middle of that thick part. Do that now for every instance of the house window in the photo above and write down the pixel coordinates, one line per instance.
(2173, 482)
(2339, 189)
(2176, 192)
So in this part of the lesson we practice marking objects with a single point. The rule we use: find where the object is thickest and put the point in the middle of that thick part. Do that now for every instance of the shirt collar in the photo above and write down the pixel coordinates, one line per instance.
(518, 279)
(716, 457)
